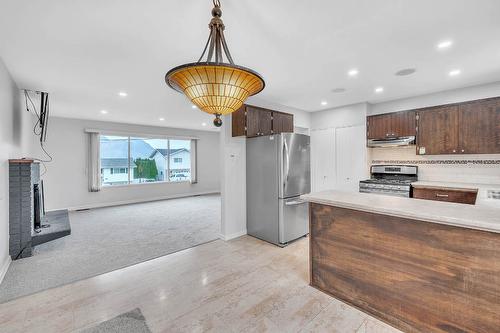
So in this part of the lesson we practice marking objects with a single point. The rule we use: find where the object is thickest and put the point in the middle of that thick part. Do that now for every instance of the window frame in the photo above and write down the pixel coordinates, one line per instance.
(167, 159)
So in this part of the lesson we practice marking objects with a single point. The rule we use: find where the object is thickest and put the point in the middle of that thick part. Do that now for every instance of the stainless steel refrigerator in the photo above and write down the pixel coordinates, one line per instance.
(278, 172)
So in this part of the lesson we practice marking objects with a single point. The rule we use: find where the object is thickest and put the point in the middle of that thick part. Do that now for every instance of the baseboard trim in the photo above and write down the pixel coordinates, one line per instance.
(233, 235)
(5, 268)
(133, 201)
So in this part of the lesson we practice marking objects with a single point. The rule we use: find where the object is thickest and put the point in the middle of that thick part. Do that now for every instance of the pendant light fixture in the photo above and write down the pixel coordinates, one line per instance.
(215, 86)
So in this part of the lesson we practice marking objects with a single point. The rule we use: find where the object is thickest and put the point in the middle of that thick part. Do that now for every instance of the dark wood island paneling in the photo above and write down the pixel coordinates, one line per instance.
(417, 276)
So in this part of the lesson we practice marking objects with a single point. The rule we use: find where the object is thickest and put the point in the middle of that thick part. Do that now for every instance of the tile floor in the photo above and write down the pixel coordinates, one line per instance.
(244, 285)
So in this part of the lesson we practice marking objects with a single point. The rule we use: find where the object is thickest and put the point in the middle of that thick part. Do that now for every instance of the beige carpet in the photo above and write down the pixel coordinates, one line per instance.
(109, 238)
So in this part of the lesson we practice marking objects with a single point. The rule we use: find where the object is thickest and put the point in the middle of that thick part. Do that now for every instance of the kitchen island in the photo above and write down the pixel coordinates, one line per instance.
(419, 265)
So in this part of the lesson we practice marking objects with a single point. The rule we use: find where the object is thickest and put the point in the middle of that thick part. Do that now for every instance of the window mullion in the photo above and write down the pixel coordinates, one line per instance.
(168, 160)
(128, 160)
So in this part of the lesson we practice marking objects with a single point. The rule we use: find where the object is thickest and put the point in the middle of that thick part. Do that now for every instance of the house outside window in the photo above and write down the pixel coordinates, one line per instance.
(133, 160)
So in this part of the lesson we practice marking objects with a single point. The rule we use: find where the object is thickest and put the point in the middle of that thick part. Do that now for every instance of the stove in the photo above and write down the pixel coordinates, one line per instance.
(392, 180)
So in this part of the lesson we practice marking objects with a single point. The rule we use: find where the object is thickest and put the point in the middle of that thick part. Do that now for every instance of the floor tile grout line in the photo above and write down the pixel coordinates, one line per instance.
(312, 319)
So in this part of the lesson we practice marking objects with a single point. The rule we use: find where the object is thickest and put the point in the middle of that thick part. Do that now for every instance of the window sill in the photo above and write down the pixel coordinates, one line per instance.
(142, 184)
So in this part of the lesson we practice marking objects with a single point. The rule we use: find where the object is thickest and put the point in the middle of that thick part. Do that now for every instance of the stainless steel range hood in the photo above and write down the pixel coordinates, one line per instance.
(391, 142)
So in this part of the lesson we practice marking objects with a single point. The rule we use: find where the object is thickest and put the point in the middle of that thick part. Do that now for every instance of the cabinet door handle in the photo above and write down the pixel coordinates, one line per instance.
(442, 195)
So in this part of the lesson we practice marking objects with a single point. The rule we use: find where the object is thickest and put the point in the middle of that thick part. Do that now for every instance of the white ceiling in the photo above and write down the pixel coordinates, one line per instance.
(85, 51)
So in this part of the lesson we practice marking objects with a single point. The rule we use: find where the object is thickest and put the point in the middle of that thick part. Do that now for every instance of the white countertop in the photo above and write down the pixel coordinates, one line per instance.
(456, 185)
(484, 216)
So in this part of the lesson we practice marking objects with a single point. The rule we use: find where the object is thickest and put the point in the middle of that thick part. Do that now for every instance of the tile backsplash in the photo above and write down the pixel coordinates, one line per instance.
(483, 169)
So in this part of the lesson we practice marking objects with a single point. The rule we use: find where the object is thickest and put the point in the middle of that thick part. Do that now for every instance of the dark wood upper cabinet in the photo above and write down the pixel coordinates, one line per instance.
(239, 122)
(282, 122)
(404, 123)
(388, 125)
(378, 126)
(265, 118)
(438, 130)
(479, 127)
(462, 128)
(251, 121)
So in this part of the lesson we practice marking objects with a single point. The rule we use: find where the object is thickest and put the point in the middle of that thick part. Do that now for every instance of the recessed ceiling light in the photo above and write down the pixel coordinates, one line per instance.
(203, 124)
(378, 90)
(455, 72)
(161, 119)
(104, 111)
(405, 72)
(122, 94)
(338, 90)
(194, 106)
(324, 102)
(444, 44)
(353, 72)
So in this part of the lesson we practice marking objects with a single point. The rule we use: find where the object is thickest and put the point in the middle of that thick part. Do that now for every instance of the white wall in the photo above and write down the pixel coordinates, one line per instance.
(233, 183)
(15, 139)
(66, 180)
(345, 116)
(328, 162)
(429, 169)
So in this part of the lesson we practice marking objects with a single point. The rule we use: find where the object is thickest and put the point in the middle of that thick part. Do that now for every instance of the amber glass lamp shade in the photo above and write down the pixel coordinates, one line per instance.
(215, 88)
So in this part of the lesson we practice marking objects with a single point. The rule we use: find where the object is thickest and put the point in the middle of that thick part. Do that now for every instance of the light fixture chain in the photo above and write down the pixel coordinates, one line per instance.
(212, 41)
(226, 49)
(205, 49)
(218, 51)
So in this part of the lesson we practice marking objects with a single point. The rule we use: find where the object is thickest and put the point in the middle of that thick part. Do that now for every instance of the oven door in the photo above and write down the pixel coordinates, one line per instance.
(396, 191)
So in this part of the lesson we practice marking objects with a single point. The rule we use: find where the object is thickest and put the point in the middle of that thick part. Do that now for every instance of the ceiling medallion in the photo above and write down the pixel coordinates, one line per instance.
(215, 87)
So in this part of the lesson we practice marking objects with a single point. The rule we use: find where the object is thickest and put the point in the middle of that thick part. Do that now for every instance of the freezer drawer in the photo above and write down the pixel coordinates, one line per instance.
(293, 219)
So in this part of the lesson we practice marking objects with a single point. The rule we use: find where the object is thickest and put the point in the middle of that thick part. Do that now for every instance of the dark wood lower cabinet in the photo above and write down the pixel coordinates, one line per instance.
(414, 275)
(465, 196)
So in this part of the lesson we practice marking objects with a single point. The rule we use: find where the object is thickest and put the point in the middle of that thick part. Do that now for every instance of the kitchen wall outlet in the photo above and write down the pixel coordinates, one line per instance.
(421, 150)
(494, 194)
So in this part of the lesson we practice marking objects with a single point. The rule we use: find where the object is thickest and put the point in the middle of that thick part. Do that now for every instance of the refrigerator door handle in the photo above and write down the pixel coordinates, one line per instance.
(286, 164)
(294, 203)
